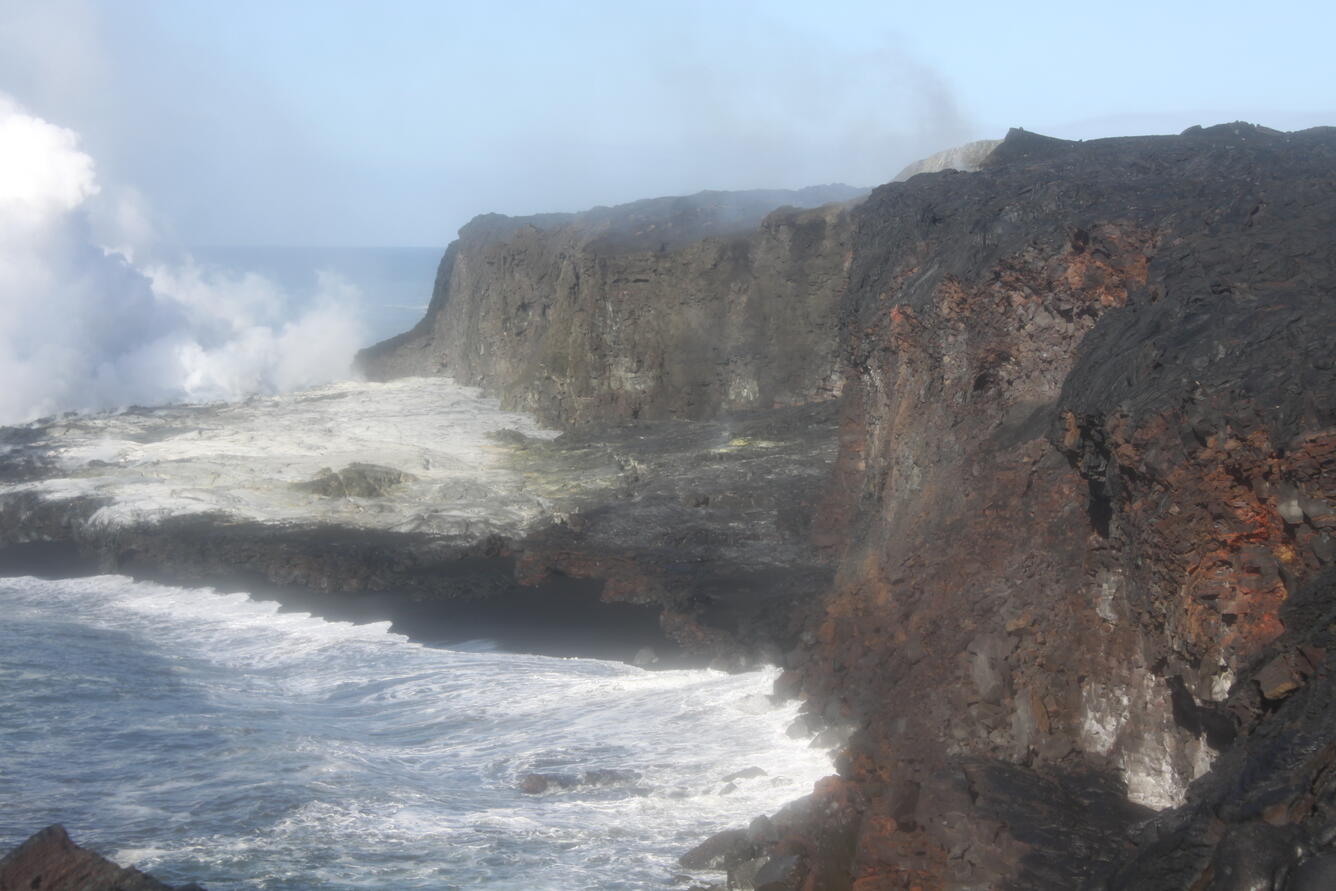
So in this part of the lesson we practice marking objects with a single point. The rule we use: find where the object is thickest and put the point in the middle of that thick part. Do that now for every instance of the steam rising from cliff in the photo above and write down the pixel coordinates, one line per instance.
(822, 112)
(88, 326)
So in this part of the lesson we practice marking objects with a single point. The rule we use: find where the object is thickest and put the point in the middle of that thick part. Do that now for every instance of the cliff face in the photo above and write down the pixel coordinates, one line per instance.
(1064, 576)
(1084, 504)
(670, 308)
(1090, 453)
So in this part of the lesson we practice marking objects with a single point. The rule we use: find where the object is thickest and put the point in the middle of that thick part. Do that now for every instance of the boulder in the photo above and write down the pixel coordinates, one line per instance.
(51, 861)
(357, 480)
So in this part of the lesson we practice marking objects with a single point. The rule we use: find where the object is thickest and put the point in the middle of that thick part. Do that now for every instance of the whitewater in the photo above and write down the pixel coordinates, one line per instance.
(211, 737)
(216, 738)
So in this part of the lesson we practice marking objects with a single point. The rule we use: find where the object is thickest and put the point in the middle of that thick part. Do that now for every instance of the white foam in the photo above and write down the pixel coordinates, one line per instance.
(343, 755)
(242, 459)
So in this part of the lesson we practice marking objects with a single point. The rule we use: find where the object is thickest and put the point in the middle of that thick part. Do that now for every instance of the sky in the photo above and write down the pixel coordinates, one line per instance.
(393, 123)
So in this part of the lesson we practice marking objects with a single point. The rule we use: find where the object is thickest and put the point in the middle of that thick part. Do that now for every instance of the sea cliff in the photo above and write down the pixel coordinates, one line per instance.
(1081, 519)
(1026, 476)
(668, 308)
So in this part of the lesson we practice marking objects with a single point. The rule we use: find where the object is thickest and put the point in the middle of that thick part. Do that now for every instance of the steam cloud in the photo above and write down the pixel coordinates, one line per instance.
(85, 326)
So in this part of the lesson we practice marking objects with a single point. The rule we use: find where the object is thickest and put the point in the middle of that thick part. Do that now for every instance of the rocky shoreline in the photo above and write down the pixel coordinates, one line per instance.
(1027, 474)
(1085, 480)
(692, 540)
(51, 860)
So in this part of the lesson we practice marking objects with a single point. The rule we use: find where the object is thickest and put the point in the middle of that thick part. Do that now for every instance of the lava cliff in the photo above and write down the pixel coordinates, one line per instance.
(667, 308)
(1083, 511)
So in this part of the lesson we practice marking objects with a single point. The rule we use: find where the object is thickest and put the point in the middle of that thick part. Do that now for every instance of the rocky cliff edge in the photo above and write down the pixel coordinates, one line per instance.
(1084, 505)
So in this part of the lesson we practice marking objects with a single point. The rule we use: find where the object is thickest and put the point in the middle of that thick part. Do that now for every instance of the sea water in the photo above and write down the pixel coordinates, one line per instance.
(210, 737)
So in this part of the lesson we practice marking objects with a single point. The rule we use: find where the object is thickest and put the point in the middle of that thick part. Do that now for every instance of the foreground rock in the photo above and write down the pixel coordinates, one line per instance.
(51, 861)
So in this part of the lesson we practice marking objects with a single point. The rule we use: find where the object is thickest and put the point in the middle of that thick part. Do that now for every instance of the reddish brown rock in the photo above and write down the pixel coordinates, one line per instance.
(1086, 449)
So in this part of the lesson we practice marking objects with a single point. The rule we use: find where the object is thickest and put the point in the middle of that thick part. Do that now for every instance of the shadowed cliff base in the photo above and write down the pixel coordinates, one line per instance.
(688, 539)
(558, 617)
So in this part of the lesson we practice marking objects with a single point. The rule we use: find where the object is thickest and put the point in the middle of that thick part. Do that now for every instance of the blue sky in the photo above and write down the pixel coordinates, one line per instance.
(392, 123)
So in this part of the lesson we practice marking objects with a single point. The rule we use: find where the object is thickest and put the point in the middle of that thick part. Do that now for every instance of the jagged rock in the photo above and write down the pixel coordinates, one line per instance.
(51, 861)
(779, 874)
(719, 851)
(762, 831)
(1279, 678)
(804, 726)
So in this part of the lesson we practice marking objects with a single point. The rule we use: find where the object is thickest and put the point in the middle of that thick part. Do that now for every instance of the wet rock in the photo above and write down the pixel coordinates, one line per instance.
(538, 783)
(779, 874)
(511, 437)
(804, 725)
(788, 685)
(742, 876)
(51, 861)
(832, 737)
(746, 773)
(762, 831)
(719, 851)
(608, 777)
(355, 481)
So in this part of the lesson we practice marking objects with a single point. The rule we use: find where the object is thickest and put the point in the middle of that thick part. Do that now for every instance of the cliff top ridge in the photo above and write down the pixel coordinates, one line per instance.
(662, 223)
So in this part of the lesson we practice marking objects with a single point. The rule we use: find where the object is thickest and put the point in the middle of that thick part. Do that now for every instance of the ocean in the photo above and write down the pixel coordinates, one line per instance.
(214, 738)
(210, 737)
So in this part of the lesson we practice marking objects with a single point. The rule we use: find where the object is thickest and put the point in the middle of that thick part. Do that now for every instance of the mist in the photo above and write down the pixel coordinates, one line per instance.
(94, 314)
(335, 124)
(330, 125)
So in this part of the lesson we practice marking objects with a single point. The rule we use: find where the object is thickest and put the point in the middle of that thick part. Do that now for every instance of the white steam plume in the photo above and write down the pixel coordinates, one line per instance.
(86, 327)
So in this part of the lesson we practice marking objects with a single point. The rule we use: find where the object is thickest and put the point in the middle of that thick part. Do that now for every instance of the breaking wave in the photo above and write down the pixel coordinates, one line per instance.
(210, 737)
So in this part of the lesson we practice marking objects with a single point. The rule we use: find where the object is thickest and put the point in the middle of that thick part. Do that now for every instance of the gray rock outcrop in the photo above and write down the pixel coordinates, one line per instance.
(669, 308)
